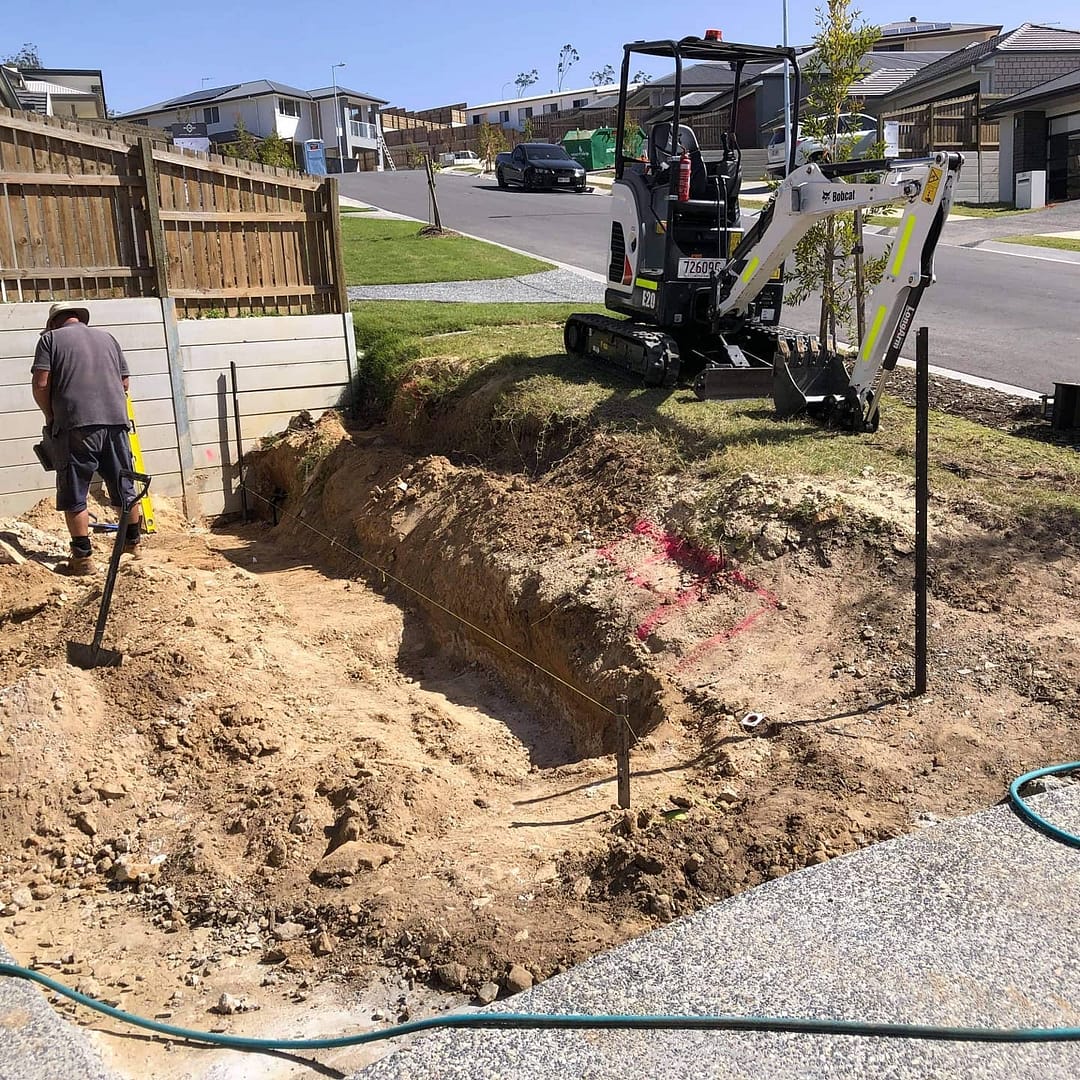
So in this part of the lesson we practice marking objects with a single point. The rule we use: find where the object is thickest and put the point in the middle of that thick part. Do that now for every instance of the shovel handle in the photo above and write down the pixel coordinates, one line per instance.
(142, 484)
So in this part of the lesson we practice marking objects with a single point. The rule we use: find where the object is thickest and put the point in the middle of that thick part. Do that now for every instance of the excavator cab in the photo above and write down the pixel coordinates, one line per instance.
(676, 219)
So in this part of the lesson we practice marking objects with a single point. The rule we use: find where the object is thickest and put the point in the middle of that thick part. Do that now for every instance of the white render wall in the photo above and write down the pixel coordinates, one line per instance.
(181, 392)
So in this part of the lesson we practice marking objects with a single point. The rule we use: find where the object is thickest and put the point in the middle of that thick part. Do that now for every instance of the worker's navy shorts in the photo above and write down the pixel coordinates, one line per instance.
(83, 451)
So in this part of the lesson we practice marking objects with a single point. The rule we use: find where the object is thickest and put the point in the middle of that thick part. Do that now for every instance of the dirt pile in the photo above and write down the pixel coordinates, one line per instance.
(375, 734)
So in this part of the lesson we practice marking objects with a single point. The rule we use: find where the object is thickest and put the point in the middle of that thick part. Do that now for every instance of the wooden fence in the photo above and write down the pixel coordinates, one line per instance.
(945, 125)
(88, 211)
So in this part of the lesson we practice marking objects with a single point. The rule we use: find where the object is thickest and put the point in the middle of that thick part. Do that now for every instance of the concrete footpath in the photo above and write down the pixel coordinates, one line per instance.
(36, 1043)
(972, 922)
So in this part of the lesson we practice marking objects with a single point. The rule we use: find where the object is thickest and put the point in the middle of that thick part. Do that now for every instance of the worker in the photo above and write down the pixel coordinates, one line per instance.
(80, 382)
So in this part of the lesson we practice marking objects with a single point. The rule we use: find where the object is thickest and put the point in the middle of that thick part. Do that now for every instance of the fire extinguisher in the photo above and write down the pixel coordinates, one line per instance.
(684, 177)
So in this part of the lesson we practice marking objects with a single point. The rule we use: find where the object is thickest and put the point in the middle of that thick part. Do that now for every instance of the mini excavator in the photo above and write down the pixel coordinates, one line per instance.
(701, 296)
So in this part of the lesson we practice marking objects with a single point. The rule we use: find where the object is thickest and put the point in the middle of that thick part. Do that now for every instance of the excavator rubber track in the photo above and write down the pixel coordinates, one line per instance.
(631, 346)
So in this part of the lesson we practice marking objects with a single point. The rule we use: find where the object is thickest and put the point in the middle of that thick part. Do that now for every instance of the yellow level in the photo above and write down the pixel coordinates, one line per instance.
(136, 455)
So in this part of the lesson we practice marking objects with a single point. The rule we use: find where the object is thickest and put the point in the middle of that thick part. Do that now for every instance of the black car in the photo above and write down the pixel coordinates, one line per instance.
(539, 165)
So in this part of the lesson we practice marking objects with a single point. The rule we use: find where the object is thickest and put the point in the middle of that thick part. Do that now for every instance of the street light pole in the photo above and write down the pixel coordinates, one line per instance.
(789, 135)
(337, 117)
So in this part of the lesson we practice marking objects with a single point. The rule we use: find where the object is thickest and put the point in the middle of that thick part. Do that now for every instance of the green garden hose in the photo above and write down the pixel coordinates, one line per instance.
(569, 1021)
(1037, 820)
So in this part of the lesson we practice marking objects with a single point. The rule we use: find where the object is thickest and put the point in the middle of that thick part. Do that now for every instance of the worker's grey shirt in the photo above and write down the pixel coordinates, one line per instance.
(86, 367)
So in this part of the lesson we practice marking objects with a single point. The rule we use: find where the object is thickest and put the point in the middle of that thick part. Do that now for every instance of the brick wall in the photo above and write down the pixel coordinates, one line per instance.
(1018, 72)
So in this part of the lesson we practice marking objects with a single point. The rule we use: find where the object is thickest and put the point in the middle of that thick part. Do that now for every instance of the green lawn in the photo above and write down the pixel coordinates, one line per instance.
(1060, 243)
(387, 252)
(985, 210)
(395, 333)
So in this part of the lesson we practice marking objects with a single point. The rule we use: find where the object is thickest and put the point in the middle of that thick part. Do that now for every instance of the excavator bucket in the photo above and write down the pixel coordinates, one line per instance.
(806, 377)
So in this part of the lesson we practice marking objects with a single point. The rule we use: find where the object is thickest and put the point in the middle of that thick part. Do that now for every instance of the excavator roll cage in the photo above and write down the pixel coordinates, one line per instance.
(701, 296)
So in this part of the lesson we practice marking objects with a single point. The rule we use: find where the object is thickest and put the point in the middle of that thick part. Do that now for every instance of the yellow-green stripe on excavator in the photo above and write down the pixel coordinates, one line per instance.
(645, 283)
(867, 350)
(751, 268)
(902, 246)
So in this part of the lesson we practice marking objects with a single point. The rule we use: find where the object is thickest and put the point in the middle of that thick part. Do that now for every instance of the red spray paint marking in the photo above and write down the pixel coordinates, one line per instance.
(708, 565)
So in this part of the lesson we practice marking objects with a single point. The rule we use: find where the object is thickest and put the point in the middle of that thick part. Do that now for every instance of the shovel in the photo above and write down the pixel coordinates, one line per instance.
(93, 655)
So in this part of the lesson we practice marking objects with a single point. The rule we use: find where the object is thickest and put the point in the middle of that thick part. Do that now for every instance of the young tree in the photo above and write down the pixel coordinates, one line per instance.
(527, 130)
(526, 79)
(26, 57)
(490, 142)
(246, 146)
(823, 258)
(274, 150)
(568, 57)
(605, 75)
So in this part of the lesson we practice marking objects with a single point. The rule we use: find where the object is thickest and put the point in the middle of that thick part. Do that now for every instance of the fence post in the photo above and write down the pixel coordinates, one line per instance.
(189, 485)
(622, 756)
(922, 499)
(336, 269)
(153, 208)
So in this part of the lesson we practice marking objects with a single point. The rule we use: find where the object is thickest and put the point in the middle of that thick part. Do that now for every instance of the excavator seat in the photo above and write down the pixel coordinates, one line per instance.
(710, 184)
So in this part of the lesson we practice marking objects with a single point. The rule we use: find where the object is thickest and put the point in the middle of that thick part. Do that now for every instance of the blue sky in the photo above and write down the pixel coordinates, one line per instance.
(415, 53)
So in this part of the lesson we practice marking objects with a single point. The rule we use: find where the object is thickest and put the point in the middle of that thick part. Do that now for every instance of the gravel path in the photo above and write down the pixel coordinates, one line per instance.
(971, 922)
(548, 287)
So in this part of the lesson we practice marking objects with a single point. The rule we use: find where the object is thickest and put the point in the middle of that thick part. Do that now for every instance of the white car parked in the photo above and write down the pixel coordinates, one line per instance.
(853, 126)
(459, 157)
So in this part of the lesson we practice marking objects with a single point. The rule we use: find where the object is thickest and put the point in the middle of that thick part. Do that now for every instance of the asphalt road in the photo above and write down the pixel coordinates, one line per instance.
(1011, 318)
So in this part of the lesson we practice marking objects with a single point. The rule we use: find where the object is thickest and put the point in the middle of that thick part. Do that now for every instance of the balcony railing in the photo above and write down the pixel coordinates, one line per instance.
(359, 130)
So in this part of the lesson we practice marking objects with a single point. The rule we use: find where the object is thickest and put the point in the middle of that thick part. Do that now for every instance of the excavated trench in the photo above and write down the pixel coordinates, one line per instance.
(459, 546)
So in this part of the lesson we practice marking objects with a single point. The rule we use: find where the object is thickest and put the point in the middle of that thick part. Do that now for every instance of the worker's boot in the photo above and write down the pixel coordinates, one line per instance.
(81, 560)
(133, 541)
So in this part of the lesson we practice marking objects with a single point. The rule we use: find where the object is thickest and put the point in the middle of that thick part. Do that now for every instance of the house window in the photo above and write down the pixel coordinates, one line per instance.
(551, 108)
(211, 115)
(504, 116)
(525, 112)
(288, 107)
(476, 118)
(580, 103)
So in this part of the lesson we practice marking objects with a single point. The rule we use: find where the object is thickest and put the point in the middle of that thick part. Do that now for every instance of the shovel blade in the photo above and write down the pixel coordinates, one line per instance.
(86, 656)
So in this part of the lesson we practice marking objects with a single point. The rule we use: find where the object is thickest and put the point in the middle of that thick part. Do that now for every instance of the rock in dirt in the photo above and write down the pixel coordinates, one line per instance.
(21, 897)
(487, 993)
(323, 945)
(86, 823)
(352, 858)
(452, 976)
(289, 931)
(228, 1004)
(518, 978)
(127, 871)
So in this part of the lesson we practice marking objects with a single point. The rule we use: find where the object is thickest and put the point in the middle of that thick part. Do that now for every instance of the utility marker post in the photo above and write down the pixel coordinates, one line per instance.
(622, 755)
(922, 499)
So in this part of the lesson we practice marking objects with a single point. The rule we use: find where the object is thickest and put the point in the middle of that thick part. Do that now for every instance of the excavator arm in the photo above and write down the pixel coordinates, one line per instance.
(818, 381)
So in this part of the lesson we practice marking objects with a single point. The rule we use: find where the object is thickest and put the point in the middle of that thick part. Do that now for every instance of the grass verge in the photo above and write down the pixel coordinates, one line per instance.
(985, 210)
(472, 378)
(387, 252)
(1059, 243)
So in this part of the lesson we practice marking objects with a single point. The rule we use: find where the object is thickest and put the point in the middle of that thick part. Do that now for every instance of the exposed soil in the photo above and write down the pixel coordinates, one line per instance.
(312, 785)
